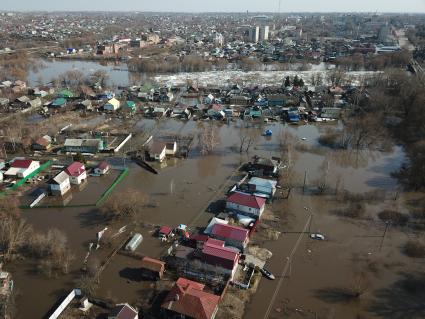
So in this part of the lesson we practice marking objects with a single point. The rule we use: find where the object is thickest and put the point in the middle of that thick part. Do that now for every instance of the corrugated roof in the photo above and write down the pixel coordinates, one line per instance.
(230, 232)
(152, 264)
(75, 169)
(61, 177)
(246, 200)
(219, 251)
(21, 163)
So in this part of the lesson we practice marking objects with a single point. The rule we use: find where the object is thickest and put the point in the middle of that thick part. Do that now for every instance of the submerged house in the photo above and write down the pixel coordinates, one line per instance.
(158, 151)
(102, 168)
(262, 187)
(76, 172)
(231, 235)
(246, 204)
(60, 184)
(223, 259)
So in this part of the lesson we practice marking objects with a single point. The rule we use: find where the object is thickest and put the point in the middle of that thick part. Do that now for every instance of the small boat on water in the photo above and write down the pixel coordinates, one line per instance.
(267, 133)
(267, 274)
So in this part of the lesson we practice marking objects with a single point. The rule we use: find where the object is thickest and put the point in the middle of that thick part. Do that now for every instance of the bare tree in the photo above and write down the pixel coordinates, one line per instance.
(124, 205)
(208, 138)
(13, 235)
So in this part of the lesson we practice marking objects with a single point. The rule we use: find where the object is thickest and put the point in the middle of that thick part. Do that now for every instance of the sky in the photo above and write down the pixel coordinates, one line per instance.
(411, 6)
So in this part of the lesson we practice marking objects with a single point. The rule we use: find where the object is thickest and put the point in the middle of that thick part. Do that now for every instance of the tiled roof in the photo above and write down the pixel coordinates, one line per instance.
(188, 298)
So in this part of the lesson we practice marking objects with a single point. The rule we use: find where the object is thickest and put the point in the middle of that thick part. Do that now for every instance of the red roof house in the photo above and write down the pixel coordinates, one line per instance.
(246, 204)
(102, 168)
(165, 230)
(232, 235)
(189, 299)
(21, 163)
(76, 172)
(218, 255)
(22, 168)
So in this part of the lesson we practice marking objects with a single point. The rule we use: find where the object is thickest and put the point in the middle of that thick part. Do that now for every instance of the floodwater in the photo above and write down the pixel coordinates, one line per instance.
(181, 193)
(120, 76)
(51, 68)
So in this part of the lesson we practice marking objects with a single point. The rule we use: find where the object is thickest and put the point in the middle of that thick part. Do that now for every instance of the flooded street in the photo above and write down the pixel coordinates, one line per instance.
(183, 189)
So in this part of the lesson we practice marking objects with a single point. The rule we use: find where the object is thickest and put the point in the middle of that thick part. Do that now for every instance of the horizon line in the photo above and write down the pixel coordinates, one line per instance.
(205, 12)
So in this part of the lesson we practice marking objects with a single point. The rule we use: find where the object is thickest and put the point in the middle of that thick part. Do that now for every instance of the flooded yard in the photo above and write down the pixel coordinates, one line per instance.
(181, 194)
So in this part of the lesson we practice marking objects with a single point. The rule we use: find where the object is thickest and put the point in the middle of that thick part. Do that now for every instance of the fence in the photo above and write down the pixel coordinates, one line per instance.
(22, 181)
(100, 200)
(65, 303)
(118, 180)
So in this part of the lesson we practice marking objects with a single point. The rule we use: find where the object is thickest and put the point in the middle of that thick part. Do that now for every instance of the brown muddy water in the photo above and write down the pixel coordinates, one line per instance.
(182, 191)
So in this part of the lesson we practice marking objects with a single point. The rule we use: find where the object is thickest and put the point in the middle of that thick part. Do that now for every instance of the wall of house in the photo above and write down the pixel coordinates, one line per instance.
(60, 189)
(160, 157)
(243, 209)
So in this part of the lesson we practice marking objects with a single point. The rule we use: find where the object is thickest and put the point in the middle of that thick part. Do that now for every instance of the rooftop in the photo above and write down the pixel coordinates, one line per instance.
(247, 200)
(230, 232)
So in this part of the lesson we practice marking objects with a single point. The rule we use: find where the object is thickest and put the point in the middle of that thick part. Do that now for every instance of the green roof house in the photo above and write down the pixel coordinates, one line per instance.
(67, 94)
(130, 106)
(59, 102)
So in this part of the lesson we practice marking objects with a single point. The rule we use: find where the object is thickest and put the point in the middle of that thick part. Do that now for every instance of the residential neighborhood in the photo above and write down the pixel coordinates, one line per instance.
(208, 160)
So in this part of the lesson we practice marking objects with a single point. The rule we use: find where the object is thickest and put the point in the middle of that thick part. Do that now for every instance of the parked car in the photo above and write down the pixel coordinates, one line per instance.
(317, 236)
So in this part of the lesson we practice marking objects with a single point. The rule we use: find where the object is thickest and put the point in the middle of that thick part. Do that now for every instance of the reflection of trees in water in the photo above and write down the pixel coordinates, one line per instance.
(207, 165)
(403, 299)
(352, 158)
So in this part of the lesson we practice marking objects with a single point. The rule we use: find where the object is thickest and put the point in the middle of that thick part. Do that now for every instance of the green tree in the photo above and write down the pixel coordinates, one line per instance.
(80, 158)
(296, 81)
(287, 82)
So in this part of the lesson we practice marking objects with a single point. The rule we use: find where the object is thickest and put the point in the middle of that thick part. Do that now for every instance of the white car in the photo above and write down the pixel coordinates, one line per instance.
(317, 236)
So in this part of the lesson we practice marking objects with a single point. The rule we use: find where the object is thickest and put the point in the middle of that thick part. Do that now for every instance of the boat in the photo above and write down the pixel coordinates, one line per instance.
(267, 133)
(267, 274)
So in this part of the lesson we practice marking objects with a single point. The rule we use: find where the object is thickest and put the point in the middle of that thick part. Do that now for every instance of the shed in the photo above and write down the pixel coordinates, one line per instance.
(152, 268)
(134, 242)
(112, 105)
(59, 102)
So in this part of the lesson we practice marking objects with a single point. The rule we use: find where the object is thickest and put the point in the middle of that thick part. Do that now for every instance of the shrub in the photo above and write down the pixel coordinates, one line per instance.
(414, 249)
(394, 217)
(354, 210)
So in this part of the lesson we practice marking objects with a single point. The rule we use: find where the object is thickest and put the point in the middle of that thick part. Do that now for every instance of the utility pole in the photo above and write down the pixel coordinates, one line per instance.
(309, 224)
(305, 178)
(387, 224)
(290, 266)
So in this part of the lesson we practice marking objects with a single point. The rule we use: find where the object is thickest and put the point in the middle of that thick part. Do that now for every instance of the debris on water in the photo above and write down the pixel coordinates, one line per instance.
(278, 310)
